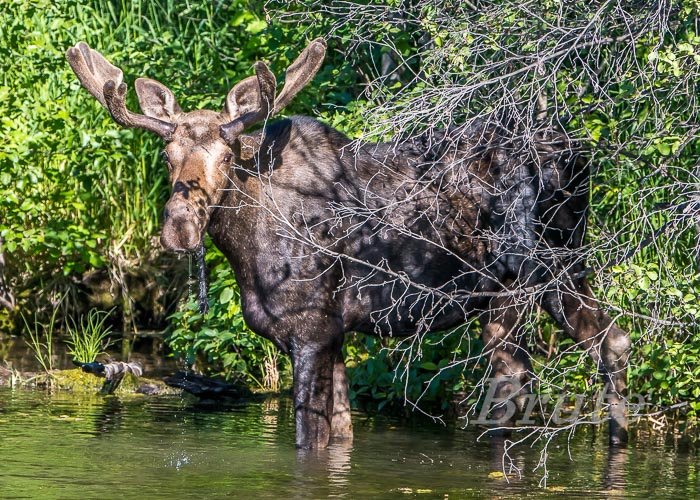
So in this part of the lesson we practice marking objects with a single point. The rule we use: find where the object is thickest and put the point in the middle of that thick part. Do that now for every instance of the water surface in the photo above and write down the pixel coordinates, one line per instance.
(69, 446)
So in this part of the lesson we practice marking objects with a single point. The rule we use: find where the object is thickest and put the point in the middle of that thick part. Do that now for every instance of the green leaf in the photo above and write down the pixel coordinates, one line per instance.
(226, 296)
(663, 148)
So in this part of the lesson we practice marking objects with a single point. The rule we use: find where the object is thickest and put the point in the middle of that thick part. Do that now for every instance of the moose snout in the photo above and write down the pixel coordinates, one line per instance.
(181, 229)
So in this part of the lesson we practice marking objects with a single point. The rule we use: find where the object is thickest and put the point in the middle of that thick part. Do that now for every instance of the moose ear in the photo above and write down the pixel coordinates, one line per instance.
(243, 98)
(156, 100)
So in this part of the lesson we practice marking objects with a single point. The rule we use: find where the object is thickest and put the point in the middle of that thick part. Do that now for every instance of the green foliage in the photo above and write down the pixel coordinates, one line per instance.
(90, 338)
(63, 184)
(41, 339)
(668, 371)
(220, 343)
(387, 372)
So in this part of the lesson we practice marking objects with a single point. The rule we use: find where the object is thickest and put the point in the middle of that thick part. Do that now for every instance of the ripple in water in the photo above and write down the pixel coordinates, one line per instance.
(67, 446)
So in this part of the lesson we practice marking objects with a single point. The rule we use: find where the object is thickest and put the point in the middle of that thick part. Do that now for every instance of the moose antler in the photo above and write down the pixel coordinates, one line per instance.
(297, 76)
(104, 81)
(301, 72)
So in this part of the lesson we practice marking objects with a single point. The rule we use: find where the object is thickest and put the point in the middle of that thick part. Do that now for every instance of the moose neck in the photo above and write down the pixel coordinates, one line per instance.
(232, 221)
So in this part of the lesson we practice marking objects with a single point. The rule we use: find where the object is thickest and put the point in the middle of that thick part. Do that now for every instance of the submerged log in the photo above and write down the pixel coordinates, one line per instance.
(112, 372)
(205, 387)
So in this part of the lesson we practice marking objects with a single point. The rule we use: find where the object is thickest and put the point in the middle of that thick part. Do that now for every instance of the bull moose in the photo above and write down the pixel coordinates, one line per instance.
(326, 237)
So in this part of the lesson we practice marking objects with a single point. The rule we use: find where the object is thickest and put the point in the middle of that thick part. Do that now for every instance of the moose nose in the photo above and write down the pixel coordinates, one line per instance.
(180, 231)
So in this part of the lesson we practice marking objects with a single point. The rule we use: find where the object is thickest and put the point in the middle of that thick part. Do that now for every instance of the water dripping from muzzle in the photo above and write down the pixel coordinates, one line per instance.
(202, 278)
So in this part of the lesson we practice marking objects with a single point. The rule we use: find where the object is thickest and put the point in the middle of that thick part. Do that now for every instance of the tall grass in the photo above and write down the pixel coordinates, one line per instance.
(40, 340)
(90, 338)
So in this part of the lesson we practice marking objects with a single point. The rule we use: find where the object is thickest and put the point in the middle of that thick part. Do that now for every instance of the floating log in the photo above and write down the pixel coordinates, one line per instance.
(205, 387)
(112, 372)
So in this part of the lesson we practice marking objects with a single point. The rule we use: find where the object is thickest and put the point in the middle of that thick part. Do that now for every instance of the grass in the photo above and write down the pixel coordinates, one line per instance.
(43, 351)
(90, 338)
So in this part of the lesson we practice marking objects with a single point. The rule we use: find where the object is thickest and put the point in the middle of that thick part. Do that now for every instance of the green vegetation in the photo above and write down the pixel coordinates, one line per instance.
(220, 342)
(81, 198)
(380, 375)
(40, 339)
(90, 338)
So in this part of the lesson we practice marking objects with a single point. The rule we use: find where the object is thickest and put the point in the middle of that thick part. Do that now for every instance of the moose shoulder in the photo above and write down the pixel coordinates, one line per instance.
(394, 239)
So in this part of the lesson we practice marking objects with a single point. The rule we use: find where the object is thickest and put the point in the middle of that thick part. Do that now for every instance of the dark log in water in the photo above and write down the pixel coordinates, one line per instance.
(205, 387)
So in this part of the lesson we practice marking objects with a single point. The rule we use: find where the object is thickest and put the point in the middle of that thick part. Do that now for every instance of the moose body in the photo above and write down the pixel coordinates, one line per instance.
(300, 239)
(391, 239)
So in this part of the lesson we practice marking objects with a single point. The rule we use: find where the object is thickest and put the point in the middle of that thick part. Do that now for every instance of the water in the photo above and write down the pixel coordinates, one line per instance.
(68, 446)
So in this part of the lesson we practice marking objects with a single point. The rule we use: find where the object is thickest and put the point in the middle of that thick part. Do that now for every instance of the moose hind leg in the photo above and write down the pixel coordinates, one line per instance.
(577, 312)
(509, 359)
(615, 357)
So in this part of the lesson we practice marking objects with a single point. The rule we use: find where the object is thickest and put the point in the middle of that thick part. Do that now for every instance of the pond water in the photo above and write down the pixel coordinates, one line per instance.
(67, 446)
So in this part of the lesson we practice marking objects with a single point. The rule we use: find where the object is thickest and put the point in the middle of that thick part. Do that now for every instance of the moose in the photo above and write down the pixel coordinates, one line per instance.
(328, 237)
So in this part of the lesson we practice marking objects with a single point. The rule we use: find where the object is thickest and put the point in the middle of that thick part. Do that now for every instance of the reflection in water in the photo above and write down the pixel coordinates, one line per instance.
(164, 447)
(339, 465)
(334, 463)
(504, 458)
(271, 409)
(109, 417)
(615, 477)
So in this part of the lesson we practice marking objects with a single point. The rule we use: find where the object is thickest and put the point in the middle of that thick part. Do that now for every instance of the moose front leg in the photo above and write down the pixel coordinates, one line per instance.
(313, 394)
(341, 423)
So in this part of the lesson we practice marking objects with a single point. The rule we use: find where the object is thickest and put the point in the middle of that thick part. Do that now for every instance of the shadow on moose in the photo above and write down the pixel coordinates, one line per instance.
(392, 239)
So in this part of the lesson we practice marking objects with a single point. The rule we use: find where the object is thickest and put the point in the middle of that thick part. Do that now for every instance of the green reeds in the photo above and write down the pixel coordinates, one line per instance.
(90, 338)
(41, 339)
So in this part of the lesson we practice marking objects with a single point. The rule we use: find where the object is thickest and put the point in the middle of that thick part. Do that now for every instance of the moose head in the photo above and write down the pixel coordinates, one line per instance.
(201, 145)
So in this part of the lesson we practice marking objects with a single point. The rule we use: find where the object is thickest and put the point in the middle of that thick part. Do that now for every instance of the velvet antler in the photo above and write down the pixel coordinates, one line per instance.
(265, 104)
(104, 81)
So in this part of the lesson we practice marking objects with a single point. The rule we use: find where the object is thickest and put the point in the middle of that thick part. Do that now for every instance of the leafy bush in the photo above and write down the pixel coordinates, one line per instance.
(381, 372)
(220, 343)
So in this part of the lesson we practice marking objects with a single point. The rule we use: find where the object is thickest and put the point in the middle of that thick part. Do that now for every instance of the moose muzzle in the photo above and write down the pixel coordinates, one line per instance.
(182, 231)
